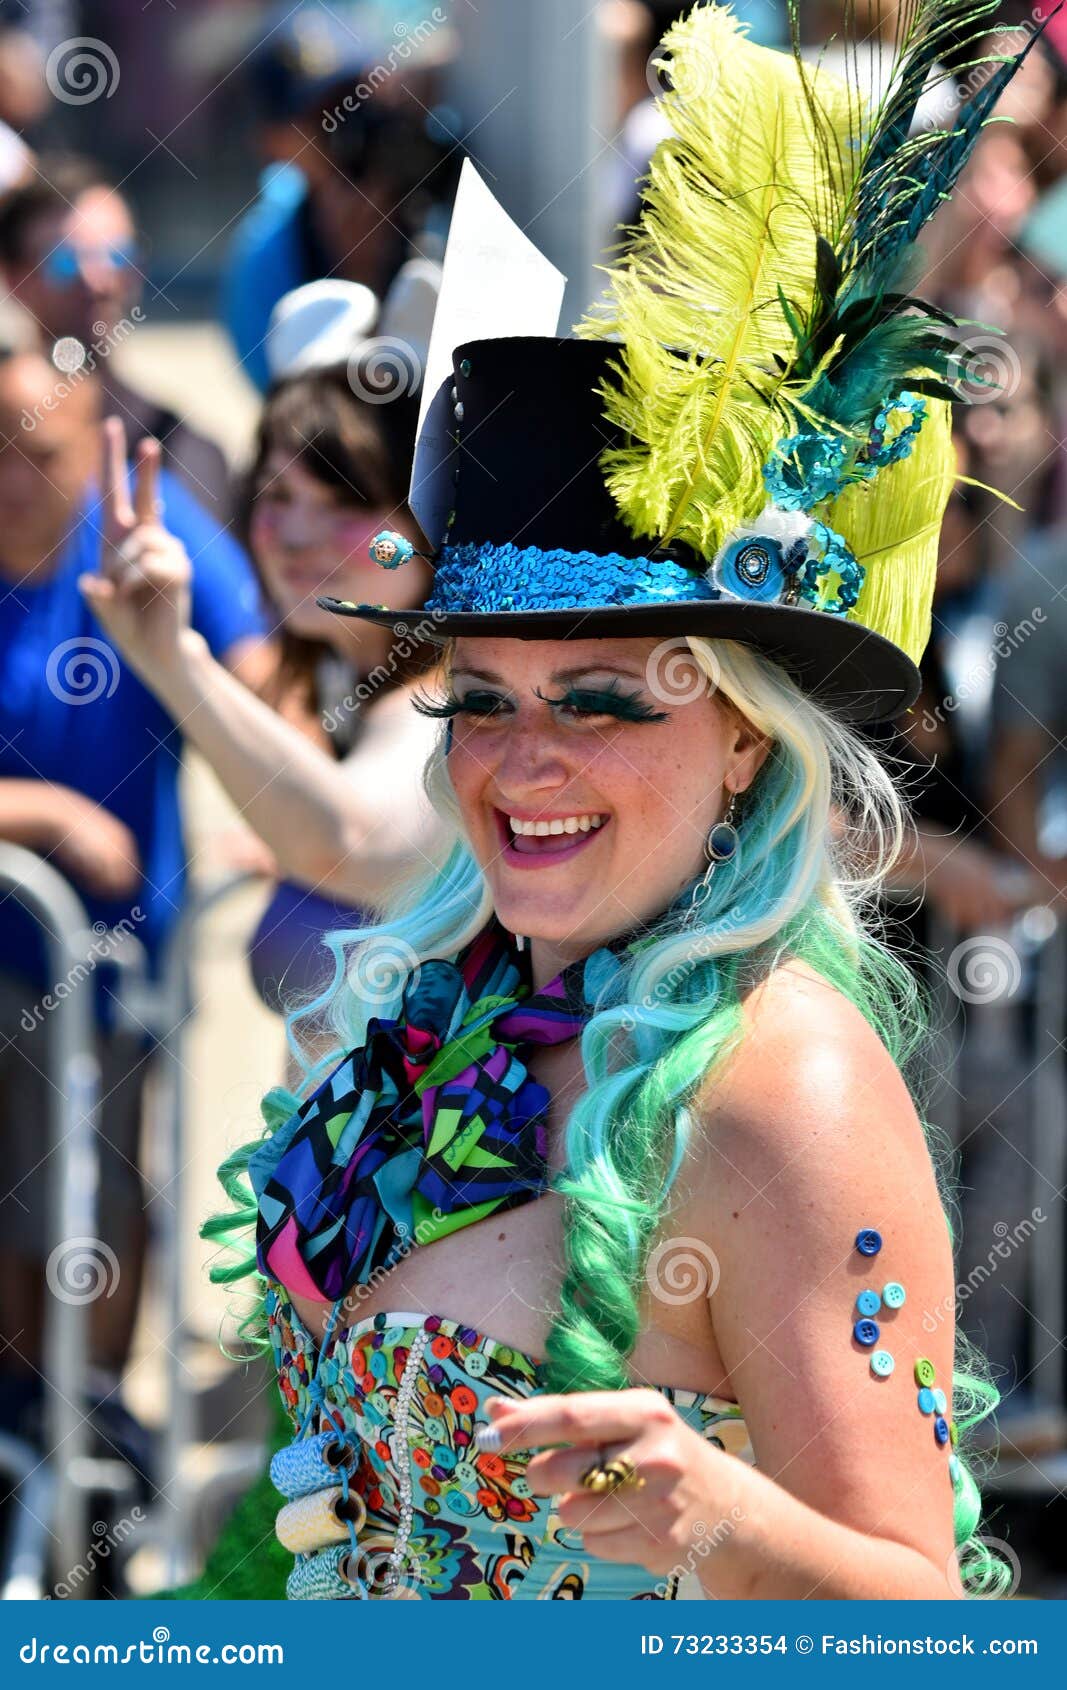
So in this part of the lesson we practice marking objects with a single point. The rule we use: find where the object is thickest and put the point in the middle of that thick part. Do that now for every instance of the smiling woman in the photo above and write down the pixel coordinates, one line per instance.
(608, 1225)
(567, 761)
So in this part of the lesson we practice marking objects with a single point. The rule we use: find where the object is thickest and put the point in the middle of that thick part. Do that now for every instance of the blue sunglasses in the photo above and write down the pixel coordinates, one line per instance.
(63, 264)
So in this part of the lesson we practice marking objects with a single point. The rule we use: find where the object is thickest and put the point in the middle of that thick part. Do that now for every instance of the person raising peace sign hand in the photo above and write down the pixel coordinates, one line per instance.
(142, 594)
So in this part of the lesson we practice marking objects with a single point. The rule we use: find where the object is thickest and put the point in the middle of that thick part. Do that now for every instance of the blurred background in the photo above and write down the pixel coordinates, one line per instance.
(222, 222)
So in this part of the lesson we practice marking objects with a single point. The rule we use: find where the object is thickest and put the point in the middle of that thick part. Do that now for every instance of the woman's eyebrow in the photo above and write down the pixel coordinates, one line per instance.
(597, 669)
(558, 675)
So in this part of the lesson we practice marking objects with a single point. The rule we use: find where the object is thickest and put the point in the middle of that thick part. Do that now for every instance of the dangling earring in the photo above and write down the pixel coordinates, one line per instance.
(720, 845)
(520, 942)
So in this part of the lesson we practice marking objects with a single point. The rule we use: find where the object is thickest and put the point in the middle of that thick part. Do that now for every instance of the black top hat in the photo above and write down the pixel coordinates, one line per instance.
(533, 546)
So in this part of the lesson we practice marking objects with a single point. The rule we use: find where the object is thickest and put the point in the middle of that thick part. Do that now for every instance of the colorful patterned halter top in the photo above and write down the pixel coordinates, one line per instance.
(443, 1521)
(432, 1124)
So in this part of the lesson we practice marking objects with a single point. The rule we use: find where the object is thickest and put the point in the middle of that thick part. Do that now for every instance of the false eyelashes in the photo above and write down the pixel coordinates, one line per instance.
(611, 700)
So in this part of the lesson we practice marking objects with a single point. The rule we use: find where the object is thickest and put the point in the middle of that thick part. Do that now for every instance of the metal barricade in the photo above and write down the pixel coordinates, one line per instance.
(164, 1007)
(61, 1480)
(50, 1493)
(1037, 943)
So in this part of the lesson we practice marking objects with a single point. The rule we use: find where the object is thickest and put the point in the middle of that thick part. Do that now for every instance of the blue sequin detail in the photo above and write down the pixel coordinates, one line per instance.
(805, 469)
(489, 578)
(876, 454)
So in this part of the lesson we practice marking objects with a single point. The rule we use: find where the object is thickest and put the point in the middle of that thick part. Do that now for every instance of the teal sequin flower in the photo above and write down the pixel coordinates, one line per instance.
(833, 555)
(876, 454)
(805, 469)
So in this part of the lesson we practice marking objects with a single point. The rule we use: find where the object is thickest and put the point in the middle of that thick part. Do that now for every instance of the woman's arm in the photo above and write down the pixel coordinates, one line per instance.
(806, 1137)
(810, 1135)
(346, 829)
(350, 835)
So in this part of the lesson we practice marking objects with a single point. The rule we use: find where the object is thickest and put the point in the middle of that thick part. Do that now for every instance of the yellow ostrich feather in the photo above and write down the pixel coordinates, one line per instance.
(735, 198)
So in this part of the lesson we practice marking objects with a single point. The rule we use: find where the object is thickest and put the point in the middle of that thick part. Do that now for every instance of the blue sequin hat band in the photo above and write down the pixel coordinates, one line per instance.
(493, 578)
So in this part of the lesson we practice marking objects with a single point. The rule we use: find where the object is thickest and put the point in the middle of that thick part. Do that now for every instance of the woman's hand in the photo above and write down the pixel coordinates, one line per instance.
(141, 596)
(688, 1491)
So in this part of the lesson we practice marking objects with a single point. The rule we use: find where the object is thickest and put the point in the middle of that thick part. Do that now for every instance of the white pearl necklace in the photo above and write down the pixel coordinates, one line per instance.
(402, 1457)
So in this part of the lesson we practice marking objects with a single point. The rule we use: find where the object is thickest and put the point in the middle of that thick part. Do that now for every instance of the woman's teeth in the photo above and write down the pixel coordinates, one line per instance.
(562, 824)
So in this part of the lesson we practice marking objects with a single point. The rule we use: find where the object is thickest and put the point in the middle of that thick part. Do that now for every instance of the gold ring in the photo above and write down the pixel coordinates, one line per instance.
(604, 1477)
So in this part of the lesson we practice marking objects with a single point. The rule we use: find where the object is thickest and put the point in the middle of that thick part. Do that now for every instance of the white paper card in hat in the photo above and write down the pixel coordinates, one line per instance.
(495, 283)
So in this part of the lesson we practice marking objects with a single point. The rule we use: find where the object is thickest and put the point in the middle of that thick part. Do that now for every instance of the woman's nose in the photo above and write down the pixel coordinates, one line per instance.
(532, 762)
(294, 533)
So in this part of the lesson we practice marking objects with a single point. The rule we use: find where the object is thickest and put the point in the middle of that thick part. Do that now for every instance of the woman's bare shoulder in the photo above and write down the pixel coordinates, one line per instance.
(806, 1058)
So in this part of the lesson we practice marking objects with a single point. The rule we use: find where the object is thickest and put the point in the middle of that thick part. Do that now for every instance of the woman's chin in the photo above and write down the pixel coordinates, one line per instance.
(578, 923)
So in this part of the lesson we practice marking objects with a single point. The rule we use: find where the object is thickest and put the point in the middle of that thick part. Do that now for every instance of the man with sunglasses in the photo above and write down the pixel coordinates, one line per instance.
(69, 256)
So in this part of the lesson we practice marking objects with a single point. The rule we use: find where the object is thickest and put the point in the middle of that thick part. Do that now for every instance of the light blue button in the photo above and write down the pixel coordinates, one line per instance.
(940, 1399)
(927, 1401)
(893, 1295)
(868, 1302)
(476, 1364)
(954, 1468)
(882, 1364)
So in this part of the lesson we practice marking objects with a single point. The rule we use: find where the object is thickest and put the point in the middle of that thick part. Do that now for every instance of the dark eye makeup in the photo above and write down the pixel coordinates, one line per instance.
(611, 700)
